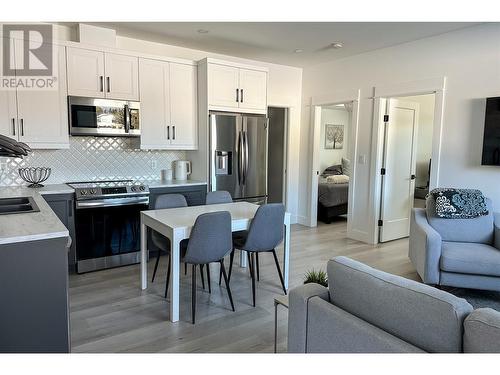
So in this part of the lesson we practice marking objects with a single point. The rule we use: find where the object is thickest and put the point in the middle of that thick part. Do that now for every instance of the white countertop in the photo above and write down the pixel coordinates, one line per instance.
(172, 183)
(32, 226)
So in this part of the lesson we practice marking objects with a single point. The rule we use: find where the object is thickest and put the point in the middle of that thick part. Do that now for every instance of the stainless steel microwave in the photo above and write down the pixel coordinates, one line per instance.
(103, 117)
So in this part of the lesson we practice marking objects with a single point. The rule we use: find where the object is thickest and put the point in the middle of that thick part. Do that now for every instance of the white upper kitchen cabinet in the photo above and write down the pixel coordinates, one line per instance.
(155, 108)
(253, 89)
(8, 109)
(98, 74)
(168, 105)
(235, 87)
(183, 106)
(85, 72)
(122, 78)
(42, 116)
(223, 88)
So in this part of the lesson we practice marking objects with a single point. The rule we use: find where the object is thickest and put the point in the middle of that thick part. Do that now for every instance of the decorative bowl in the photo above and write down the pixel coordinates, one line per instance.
(35, 175)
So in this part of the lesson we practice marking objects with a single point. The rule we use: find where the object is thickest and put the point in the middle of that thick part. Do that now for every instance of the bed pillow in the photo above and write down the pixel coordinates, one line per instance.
(338, 179)
(333, 170)
(346, 166)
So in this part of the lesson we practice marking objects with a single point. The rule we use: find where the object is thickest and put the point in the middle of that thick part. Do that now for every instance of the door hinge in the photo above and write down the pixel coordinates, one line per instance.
(382, 171)
(386, 118)
(380, 223)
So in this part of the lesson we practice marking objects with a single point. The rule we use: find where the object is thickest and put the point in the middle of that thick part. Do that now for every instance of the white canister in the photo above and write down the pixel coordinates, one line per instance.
(182, 169)
(166, 174)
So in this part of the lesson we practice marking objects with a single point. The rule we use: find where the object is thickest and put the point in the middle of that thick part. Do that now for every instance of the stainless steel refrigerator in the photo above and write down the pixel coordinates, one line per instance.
(238, 155)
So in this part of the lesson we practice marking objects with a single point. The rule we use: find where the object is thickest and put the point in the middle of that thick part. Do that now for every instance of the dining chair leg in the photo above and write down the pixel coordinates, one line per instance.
(252, 274)
(231, 259)
(257, 265)
(202, 277)
(168, 275)
(279, 270)
(193, 294)
(185, 269)
(250, 265)
(220, 272)
(208, 278)
(156, 265)
(227, 284)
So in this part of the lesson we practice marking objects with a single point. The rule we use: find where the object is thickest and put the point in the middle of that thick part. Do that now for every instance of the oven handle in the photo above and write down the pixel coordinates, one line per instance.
(110, 202)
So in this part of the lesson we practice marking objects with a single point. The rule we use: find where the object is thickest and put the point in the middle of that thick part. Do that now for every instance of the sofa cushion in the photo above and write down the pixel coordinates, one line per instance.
(482, 331)
(479, 229)
(426, 317)
(473, 258)
(333, 330)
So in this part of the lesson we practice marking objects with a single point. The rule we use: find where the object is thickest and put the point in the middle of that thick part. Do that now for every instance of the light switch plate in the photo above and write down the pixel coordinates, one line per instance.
(362, 159)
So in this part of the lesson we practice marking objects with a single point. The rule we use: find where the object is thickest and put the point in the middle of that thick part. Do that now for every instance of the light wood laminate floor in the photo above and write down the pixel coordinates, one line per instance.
(109, 312)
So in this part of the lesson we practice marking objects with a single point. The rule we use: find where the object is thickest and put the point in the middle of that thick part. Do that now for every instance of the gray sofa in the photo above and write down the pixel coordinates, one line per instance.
(369, 311)
(456, 252)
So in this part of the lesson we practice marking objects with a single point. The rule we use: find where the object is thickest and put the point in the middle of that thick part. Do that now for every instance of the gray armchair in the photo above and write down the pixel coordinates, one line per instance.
(462, 253)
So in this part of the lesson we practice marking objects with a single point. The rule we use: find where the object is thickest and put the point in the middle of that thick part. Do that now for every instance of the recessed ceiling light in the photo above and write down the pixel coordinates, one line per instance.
(202, 31)
(337, 45)
(298, 50)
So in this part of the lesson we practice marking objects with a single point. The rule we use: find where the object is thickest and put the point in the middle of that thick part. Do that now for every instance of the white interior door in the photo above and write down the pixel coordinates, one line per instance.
(399, 163)
(253, 89)
(85, 72)
(122, 77)
(155, 104)
(223, 86)
(183, 106)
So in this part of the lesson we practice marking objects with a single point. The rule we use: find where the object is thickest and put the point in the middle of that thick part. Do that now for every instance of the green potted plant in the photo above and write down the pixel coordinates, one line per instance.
(319, 277)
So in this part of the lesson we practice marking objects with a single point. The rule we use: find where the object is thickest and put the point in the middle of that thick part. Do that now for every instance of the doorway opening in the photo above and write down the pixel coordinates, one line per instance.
(277, 154)
(408, 126)
(330, 188)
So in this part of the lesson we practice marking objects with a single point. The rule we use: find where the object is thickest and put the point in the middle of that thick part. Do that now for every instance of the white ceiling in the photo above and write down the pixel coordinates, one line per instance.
(275, 42)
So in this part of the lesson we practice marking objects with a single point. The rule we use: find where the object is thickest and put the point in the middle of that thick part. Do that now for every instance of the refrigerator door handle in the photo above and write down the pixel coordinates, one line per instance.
(245, 140)
(240, 157)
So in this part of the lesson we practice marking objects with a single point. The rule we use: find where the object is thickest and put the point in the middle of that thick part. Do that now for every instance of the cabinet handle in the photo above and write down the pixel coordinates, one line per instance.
(237, 95)
(101, 79)
(173, 132)
(108, 84)
(13, 126)
(168, 132)
(22, 127)
(241, 95)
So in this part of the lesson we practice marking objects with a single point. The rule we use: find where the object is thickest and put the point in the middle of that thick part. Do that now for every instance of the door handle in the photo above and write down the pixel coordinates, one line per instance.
(245, 142)
(101, 79)
(108, 84)
(22, 127)
(168, 132)
(237, 95)
(241, 96)
(412, 177)
(13, 126)
(240, 158)
(173, 132)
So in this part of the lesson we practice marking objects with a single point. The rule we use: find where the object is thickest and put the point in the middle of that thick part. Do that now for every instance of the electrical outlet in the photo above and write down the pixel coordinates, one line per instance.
(154, 164)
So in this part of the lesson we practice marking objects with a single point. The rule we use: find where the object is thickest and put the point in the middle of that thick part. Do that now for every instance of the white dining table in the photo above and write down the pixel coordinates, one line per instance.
(176, 225)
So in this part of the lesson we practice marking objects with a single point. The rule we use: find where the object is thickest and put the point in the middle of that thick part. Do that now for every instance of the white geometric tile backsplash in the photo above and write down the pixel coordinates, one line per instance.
(94, 158)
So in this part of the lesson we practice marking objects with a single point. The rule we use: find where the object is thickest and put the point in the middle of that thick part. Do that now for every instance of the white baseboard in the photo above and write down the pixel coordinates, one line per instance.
(303, 220)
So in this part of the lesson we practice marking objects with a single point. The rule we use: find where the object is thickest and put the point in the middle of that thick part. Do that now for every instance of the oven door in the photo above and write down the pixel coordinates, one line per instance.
(107, 237)
(101, 117)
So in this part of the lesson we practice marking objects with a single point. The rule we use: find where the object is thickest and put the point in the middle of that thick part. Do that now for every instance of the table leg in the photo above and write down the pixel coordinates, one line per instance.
(144, 256)
(286, 255)
(275, 326)
(175, 274)
(243, 259)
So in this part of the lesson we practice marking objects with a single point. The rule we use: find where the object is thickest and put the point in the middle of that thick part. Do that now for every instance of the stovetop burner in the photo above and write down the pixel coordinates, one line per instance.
(108, 189)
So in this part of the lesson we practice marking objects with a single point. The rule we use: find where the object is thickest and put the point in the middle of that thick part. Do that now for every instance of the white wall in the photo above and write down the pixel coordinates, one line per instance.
(469, 58)
(424, 135)
(335, 116)
(284, 90)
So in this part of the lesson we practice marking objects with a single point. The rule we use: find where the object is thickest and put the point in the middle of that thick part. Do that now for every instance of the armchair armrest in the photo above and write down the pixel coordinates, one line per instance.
(496, 235)
(297, 314)
(425, 247)
(482, 331)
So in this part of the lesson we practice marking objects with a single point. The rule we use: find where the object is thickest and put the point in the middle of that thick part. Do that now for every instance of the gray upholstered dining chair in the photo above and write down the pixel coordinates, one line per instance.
(218, 197)
(210, 241)
(264, 235)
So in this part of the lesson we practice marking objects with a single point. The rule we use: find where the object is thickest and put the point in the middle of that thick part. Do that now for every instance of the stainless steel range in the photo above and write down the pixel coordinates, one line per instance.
(107, 221)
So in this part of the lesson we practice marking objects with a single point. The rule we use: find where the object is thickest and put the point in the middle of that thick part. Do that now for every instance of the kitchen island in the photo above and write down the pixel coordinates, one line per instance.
(34, 316)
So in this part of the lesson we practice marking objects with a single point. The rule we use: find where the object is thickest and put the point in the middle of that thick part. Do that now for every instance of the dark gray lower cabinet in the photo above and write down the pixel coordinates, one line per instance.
(63, 206)
(195, 196)
(34, 316)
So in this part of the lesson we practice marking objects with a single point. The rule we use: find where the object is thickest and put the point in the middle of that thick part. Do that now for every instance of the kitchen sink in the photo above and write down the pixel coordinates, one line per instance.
(17, 205)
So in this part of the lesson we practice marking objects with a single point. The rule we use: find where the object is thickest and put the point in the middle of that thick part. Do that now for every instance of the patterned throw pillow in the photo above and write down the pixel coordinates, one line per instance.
(459, 203)
(333, 170)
